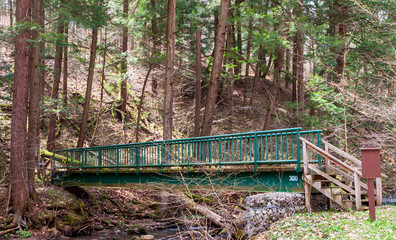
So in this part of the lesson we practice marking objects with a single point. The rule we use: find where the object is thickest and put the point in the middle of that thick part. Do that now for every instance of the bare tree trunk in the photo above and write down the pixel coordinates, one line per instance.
(34, 102)
(103, 74)
(102, 79)
(41, 77)
(55, 89)
(216, 69)
(18, 174)
(340, 33)
(278, 66)
(230, 78)
(298, 62)
(238, 68)
(169, 71)
(137, 131)
(198, 83)
(287, 69)
(156, 43)
(124, 70)
(65, 71)
(248, 81)
(11, 13)
(91, 71)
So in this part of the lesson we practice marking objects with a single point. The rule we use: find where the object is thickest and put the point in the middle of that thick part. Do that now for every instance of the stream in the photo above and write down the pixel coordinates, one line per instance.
(163, 234)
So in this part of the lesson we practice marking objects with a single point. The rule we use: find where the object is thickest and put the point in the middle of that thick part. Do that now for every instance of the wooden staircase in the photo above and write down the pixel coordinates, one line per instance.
(339, 178)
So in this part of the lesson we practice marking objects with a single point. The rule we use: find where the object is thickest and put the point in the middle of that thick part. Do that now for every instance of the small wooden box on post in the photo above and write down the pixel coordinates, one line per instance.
(371, 168)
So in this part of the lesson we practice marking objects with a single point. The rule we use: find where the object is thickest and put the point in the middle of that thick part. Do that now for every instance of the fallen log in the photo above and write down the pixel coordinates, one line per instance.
(213, 217)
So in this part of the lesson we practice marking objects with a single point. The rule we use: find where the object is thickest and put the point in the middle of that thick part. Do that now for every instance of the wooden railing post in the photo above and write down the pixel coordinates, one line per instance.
(327, 163)
(305, 158)
(358, 202)
(378, 185)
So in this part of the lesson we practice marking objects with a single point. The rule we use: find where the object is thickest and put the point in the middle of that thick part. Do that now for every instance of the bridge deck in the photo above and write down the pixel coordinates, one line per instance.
(254, 159)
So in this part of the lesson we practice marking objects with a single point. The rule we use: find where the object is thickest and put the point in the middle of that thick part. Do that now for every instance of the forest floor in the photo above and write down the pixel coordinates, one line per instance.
(335, 225)
(118, 213)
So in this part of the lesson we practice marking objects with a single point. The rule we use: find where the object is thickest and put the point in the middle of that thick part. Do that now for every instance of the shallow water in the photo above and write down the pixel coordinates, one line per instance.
(161, 234)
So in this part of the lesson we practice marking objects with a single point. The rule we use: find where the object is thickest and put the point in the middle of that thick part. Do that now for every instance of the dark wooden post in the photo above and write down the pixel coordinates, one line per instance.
(371, 168)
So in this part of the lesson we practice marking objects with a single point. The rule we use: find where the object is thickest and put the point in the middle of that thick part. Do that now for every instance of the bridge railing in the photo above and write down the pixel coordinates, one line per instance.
(254, 148)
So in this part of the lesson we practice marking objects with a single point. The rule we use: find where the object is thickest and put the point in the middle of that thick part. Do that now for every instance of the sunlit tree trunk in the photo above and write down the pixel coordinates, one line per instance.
(65, 70)
(34, 101)
(198, 83)
(18, 174)
(216, 69)
(169, 71)
(124, 70)
(91, 70)
(55, 89)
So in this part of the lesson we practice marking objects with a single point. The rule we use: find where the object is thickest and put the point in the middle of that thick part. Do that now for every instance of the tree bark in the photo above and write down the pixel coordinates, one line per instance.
(32, 144)
(278, 66)
(169, 71)
(91, 71)
(137, 131)
(156, 43)
(55, 89)
(340, 33)
(230, 79)
(238, 68)
(216, 69)
(298, 62)
(198, 83)
(124, 70)
(65, 71)
(18, 174)
(11, 13)
(248, 81)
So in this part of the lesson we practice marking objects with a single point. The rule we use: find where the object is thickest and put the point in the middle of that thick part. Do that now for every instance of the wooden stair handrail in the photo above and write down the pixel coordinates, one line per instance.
(330, 178)
(330, 157)
(346, 155)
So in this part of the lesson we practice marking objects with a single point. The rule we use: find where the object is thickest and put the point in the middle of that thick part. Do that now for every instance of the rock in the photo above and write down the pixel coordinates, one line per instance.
(264, 209)
(147, 237)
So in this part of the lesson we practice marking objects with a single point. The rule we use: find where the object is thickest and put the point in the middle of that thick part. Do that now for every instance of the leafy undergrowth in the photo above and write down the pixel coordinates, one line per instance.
(335, 225)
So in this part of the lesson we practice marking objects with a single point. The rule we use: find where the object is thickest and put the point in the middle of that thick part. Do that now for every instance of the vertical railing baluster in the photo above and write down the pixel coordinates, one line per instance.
(220, 153)
(298, 151)
(210, 150)
(137, 159)
(266, 147)
(277, 146)
(255, 152)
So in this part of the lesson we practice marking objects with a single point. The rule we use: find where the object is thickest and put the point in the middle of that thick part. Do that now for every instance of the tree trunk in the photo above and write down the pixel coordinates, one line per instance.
(137, 131)
(91, 71)
(169, 71)
(248, 81)
(18, 174)
(34, 102)
(298, 62)
(278, 66)
(124, 70)
(11, 13)
(238, 68)
(65, 71)
(230, 78)
(198, 83)
(340, 34)
(103, 74)
(55, 89)
(216, 69)
(156, 43)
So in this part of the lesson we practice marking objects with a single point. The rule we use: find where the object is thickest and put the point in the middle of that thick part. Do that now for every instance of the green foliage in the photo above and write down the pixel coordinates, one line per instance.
(24, 234)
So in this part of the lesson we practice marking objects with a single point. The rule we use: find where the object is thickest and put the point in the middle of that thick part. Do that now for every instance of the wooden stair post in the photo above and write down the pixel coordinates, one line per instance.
(307, 185)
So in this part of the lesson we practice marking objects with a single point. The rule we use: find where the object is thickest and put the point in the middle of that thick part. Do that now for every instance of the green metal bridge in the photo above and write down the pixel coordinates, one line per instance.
(259, 161)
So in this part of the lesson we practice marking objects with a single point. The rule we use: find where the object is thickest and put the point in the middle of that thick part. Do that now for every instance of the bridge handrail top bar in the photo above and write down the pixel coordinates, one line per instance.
(191, 139)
